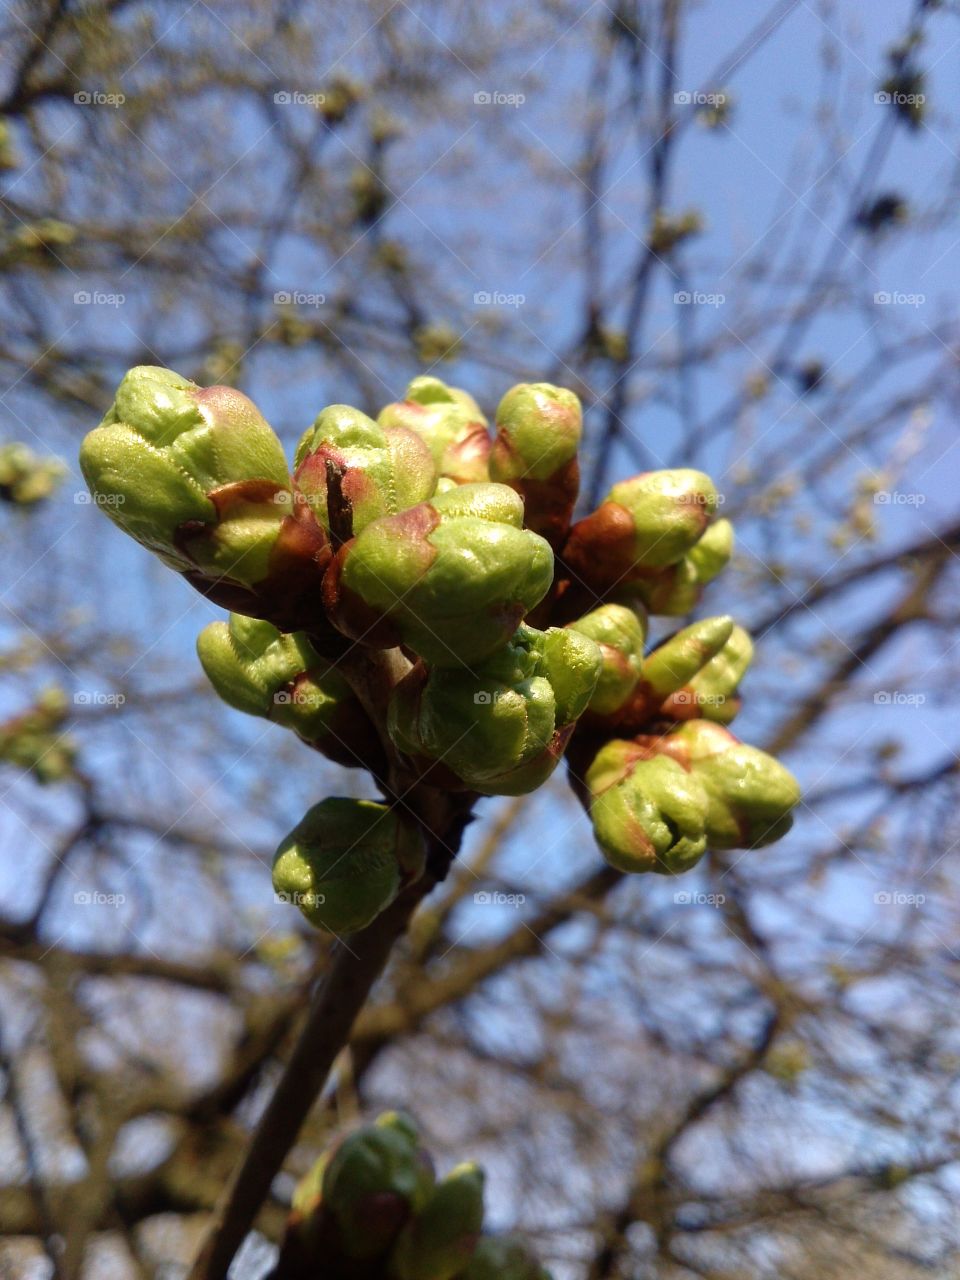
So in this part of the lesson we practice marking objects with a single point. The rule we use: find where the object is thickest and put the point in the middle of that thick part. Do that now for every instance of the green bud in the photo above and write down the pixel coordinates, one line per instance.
(451, 578)
(670, 512)
(502, 727)
(260, 670)
(440, 1241)
(669, 670)
(750, 794)
(373, 1182)
(197, 476)
(535, 452)
(710, 694)
(648, 812)
(25, 478)
(504, 1258)
(449, 421)
(645, 524)
(35, 740)
(345, 862)
(620, 633)
(383, 470)
(676, 590)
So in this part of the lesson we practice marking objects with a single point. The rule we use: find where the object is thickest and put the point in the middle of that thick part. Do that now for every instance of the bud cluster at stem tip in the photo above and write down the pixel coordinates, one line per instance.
(373, 1205)
(428, 545)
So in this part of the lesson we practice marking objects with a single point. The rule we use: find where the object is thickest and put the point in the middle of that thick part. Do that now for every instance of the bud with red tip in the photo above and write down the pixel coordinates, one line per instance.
(197, 476)
(644, 525)
(449, 421)
(451, 578)
(620, 633)
(380, 470)
(750, 794)
(648, 812)
(535, 452)
(711, 692)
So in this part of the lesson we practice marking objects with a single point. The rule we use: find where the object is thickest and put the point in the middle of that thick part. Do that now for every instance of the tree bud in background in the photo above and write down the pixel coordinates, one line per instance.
(25, 478)
(440, 1241)
(373, 1182)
